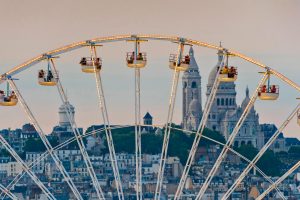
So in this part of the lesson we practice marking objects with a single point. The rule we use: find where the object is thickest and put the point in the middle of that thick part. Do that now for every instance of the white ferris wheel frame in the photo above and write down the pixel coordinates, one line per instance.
(107, 129)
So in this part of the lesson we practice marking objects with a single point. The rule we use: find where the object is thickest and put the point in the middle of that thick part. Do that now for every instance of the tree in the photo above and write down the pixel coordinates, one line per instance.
(268, 163)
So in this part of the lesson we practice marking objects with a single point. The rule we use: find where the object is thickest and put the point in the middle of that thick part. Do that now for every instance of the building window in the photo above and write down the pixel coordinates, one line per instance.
(184, 85)
(226, 102)
(222, 102)
(214, 116)
(236, 144)
(194, 84)
(218, 102)
(230, 102)
(214, 127)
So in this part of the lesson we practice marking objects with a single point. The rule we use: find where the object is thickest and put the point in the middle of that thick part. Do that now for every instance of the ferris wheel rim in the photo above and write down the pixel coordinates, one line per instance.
(54, 53)
(115, 38)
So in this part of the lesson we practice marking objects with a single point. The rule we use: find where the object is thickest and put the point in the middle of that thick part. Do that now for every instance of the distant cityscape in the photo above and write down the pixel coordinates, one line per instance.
(223, 116)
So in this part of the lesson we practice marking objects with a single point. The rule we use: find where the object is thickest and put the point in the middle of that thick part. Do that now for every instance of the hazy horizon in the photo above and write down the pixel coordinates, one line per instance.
(265, 30)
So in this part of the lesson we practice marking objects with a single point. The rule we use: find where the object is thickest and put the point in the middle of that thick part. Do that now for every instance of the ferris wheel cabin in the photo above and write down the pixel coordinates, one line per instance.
(183, 64)
(8, 100)
(268, 92)
(89, 65)
(228, 74)
(47, 79)
(139, 62)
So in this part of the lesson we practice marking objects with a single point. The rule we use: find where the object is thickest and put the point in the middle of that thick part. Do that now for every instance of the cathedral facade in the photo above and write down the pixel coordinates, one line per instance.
(224, 113)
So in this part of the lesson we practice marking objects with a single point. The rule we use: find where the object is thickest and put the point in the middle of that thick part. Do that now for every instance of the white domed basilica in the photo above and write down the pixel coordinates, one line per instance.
(224, 112)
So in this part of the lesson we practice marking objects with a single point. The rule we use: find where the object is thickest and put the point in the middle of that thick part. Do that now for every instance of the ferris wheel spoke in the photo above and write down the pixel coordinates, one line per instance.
(45, 141)
(231, 138)
(233, 151)
(77, 134)
(199, 133)
(260, 154)
(26, 168)
(45, 154)
(109, 138)
(164, 153)
(7, 192)
(137, 60)
(282, 178)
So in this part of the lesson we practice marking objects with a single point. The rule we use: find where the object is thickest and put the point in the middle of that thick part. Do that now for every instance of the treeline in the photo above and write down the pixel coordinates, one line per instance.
(179, 145)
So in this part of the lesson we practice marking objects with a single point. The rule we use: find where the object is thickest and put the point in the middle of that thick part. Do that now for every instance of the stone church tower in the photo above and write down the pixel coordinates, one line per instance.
(192, 100)
(225, 113)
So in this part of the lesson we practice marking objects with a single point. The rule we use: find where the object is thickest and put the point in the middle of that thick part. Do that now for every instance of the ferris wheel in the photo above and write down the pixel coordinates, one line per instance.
(136, 60)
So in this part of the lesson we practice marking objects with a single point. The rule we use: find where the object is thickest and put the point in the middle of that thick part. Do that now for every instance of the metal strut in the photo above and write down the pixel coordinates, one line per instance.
(260, 154)
(45, 140)
(26, 168)
(233, 151)
(45, 154)
(109, 138)
(231, 139)
(7, 192)
(78, 137)
(199, 132)
(282, 178)
(160, 175)
(137, 127)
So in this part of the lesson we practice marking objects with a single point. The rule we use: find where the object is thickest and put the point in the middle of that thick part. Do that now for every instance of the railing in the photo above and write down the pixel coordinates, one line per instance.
(271, 89)
(130, 57)
(184, 60)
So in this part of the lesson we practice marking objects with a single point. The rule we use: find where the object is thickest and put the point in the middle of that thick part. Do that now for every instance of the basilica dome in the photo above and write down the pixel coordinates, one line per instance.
(195, 106)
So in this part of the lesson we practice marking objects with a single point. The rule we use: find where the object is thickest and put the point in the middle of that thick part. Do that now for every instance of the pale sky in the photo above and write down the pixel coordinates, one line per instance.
(266, 30)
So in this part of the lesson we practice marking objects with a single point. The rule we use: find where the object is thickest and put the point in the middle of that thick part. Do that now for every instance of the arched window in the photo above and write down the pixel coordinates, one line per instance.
(230, 102)
(243, 143)
(194, 84)
(226, 102)
(236, 144)
(222, 102)
(214, 127)
(249, 143)
(218, 102)
(184, 84)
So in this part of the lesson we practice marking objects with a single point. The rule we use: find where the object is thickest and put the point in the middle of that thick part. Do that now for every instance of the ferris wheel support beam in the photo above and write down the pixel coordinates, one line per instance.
(106, 123)
(137, 127)
(45, 141)
(26, 168)
(282, 178)
(260, 154)
(45, 154)
(230, 140)
(7, 192)
(176, 74)
(199, 133)
(236, 153)
(77, 134)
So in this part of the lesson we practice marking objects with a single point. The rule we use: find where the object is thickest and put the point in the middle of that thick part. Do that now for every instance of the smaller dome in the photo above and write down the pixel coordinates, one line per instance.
(194, 106)
(212, 75)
